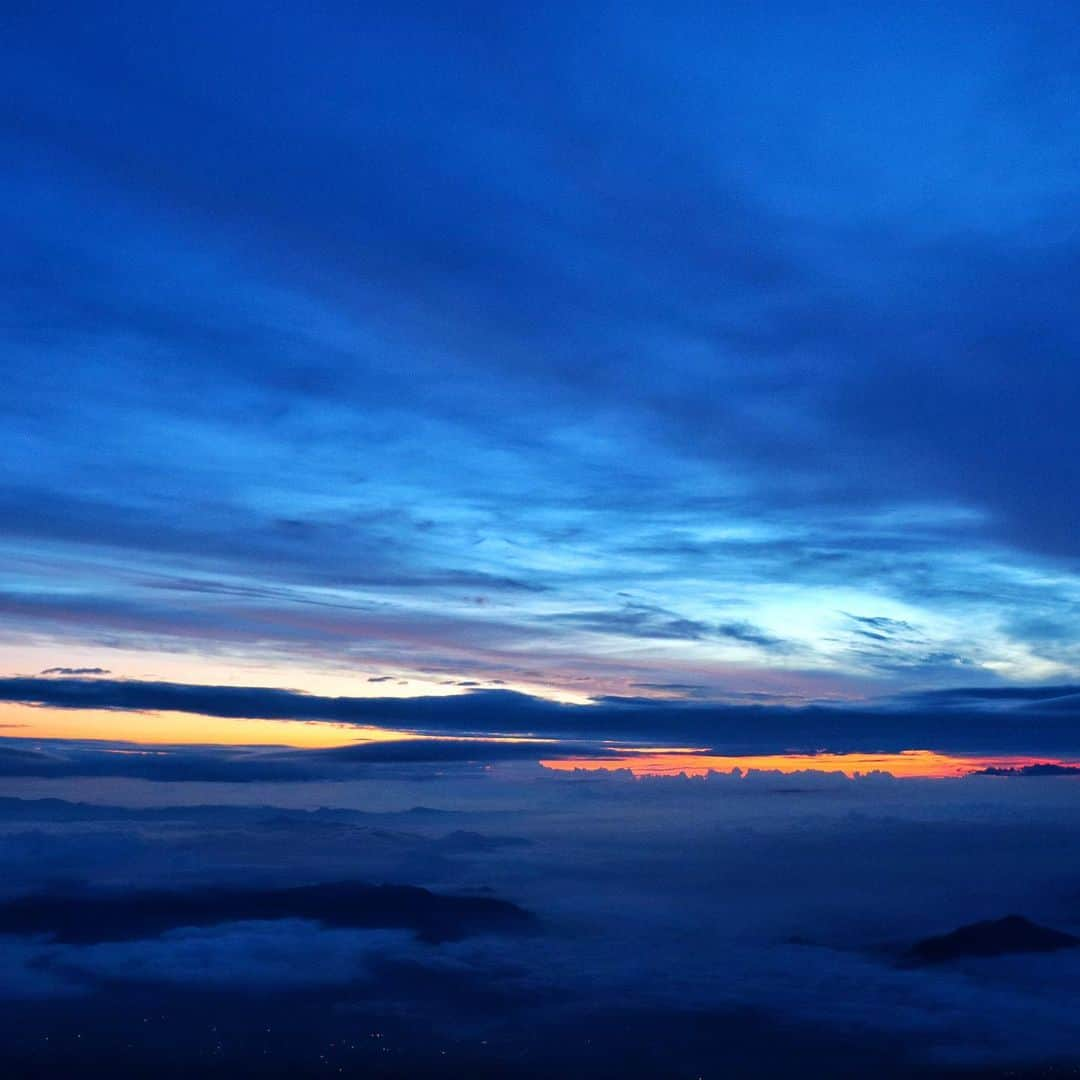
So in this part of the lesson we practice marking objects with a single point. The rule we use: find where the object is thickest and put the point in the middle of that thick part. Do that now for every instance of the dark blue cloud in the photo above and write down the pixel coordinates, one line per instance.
(76, 671)
(975, 721)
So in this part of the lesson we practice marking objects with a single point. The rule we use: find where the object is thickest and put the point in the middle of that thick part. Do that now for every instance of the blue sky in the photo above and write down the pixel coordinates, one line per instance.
(649, 350)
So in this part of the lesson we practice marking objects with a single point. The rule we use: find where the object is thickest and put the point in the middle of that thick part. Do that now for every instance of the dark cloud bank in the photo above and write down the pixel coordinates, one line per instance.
(1033, 721)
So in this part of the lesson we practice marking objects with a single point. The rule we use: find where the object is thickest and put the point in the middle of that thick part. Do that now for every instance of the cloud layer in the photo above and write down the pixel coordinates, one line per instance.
(711, 923)
(503, 725)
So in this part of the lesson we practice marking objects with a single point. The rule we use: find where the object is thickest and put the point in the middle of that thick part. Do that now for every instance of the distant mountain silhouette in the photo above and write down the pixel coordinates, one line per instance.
(117, 916)
(464, 841)
(995, 937)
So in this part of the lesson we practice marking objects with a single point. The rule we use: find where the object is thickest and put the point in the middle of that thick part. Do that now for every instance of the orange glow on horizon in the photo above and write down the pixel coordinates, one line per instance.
(183, 729)
(176, 728)
(162, 728)
(927, 764)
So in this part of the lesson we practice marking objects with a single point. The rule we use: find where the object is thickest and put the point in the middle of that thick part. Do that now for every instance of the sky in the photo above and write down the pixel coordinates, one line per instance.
(539, 539)
(637, 350)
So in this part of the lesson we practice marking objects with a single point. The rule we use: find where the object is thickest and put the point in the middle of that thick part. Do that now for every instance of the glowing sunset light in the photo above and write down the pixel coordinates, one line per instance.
(927, 764)
(177, 728)
(180, 728)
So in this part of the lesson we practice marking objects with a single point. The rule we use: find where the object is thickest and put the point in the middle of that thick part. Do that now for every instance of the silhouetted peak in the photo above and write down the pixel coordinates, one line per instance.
(994, 937)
